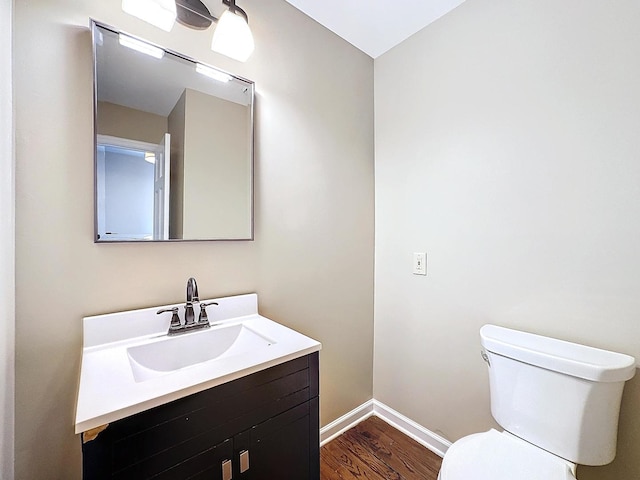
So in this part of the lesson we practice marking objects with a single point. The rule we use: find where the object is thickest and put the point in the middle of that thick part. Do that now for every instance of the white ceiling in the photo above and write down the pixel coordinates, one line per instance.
(375, 26)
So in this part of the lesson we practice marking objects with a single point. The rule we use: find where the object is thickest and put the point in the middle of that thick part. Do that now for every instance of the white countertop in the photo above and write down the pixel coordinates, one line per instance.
(108, 390)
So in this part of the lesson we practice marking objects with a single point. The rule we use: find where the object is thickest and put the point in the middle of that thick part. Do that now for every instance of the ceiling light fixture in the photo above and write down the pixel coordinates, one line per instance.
(232, 36)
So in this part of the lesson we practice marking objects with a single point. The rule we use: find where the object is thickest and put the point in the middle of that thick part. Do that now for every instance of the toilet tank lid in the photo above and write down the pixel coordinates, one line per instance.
(558, 355)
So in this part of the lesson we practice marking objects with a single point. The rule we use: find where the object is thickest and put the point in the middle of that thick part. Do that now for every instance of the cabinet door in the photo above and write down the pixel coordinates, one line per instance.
(212, 464)
(281, 448)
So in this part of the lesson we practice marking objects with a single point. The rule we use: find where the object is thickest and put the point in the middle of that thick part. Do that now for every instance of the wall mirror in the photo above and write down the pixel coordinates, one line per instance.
(173, 145)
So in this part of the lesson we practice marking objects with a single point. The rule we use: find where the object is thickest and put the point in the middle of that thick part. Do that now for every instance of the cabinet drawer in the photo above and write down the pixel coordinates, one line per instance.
(210, 423)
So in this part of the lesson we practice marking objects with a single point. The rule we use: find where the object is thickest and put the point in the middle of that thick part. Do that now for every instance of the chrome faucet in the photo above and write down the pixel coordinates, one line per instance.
(190, 323)
(192, 297)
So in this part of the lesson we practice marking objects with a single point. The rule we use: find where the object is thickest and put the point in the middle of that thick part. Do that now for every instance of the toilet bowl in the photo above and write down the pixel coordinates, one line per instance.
(497, 455)
(558, 403)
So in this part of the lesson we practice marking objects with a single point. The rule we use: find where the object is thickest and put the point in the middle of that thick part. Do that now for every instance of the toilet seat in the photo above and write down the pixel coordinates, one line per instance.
(497, 455)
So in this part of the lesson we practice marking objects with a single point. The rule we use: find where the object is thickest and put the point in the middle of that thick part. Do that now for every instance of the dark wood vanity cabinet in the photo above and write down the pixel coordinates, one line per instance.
(264, 426)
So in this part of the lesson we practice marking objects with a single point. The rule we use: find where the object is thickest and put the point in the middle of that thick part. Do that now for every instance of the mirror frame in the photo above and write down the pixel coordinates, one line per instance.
(94, 24)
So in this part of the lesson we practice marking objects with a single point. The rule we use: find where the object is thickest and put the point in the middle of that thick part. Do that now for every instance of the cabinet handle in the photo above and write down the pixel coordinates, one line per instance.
(244, 461)
(227, 473)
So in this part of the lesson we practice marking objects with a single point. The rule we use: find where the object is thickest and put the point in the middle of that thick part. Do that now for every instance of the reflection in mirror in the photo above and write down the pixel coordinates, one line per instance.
(174, 145)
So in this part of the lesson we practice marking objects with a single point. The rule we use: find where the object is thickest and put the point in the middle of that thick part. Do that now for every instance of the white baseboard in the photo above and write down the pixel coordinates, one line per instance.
(420, 434)
(345, 422)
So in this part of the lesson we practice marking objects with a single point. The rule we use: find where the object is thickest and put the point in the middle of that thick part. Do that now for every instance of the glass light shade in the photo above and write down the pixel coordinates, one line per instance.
(161, 13)
(232, 37)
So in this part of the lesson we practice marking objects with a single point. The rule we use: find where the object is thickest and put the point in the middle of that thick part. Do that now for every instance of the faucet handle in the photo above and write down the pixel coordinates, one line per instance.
(175, 319)
(203, 312)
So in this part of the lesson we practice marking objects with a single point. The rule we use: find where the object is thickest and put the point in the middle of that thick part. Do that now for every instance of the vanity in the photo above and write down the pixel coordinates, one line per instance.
(237, 400)
(207, 389)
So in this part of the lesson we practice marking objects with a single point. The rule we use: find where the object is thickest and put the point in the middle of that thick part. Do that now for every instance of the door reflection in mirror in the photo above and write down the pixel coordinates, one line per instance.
(132, 189)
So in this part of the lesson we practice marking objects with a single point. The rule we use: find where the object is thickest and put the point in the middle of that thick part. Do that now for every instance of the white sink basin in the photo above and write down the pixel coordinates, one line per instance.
(130, 365)
(173, 353)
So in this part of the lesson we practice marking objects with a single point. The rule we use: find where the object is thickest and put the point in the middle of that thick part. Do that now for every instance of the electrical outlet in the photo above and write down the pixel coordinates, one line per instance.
(420, 263)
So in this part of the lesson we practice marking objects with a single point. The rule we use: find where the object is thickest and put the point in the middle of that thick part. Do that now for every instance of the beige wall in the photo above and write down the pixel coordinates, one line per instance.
(7, 247)
(176, 122)
(210, 167)
(217, 166)
(311, 263)
(507, 149)
(124, 122)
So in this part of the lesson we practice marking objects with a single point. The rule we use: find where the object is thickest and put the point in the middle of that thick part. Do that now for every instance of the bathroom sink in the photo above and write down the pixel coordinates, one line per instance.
(130, 364)
(169, 354)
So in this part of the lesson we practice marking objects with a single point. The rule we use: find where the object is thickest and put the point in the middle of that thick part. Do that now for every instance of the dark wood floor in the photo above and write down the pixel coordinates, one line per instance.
(374, 450)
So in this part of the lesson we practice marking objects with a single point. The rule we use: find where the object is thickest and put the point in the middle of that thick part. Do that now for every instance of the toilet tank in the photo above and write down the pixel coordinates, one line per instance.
(560, 396)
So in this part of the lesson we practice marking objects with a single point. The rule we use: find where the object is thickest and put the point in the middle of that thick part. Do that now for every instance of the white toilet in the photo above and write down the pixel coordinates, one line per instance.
(558, 403)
